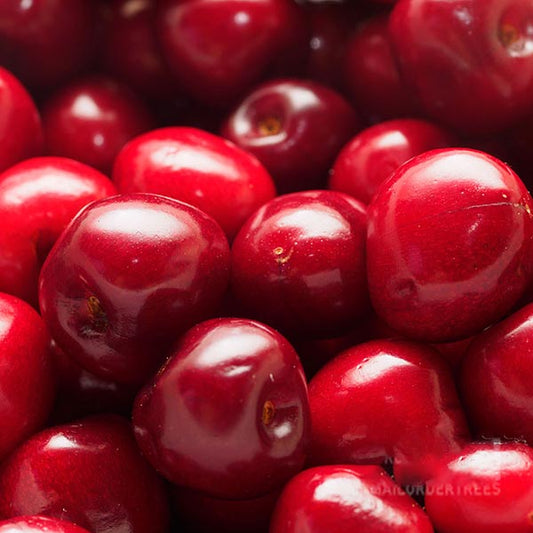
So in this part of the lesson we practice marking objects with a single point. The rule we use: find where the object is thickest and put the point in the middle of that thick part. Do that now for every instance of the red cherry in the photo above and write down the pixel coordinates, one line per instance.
(382, 400)
(26, 379)
(485, 488)
(374, 153)
(469, 63)
(91, 119)
(198, 168)
(447, 247)
(89, 472)
(283, 123)
(38, 524)
(345, 498)
(38, 198)
(228, 413)
(127, 277)
(299, 263)
(21, 134)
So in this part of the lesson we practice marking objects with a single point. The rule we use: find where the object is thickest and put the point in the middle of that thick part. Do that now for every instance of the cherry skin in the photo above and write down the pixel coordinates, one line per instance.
(218, 50)
(127, 277)
(496, 376)
(26, 377)
(21, 134)
(38, 198)
(299, 263)
(344, 498)
(198, 168)
(91, 119)
(38, 524)
(46, 42)
(89, 472)
(374, 153)
(485, 488)
(228, 413)
(469, 63)
(282, 123)
(382, 400)
(448, 242)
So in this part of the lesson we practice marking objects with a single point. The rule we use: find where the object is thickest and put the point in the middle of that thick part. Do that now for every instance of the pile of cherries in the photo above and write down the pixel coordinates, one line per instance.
(266, 266)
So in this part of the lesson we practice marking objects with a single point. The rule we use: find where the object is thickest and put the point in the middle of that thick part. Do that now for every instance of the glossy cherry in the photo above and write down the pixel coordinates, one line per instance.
(283, 123)
(46, 42)
(448, 243)
(383, 400)
(38, 524)
(26, 377)
(38, 198)
(228, 413)
(485, 488)
(496, 379)
(469, 63)
(91, 119)
(89, 472)
(127, 277)
(196, 167)
(299, 263)
(345, 498)
(21, 134)
(374, 153)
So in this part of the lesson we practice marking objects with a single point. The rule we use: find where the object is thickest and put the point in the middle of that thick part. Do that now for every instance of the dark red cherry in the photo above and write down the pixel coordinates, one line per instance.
(196, 167)
(228, 413)
(21, 134)
(345, 498)
(91, 119)
(128, 276)
(38, 524)
(284, 124)
(448, 244)
(386, 400)
(88, 472)
(374, 153)
(299, 263)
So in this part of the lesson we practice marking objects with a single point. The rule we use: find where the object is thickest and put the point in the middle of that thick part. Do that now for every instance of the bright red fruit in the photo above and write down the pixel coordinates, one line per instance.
(228, 413)
(345, 498)
(374, 153)
(38, 524)
(91, 119)
(26, 378)
(448, 243)
(469, 62)
(295, 128)
(485, 488)
(299, 263)
(128, 276)
(90, 473)
(383, 400)
(21, 134)
(196, 167)
(38, 198)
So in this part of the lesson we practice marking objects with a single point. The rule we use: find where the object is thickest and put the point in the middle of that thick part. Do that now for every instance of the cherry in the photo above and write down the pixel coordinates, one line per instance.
(21, 132)
(496, 376)
(485, 488)
(26, 378)
(228, 413)
(469, 63)
(38, 524)
(448, 243)
(282, 122)
(127, 277)
(382, 400)
(344, 498)
(299, 263)
(374, 153)
(198, 168)
(91, 119)
(38, 198)
(88, 472)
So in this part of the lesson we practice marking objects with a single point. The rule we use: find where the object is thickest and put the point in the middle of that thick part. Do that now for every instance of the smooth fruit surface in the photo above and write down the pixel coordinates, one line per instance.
(38, 524)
